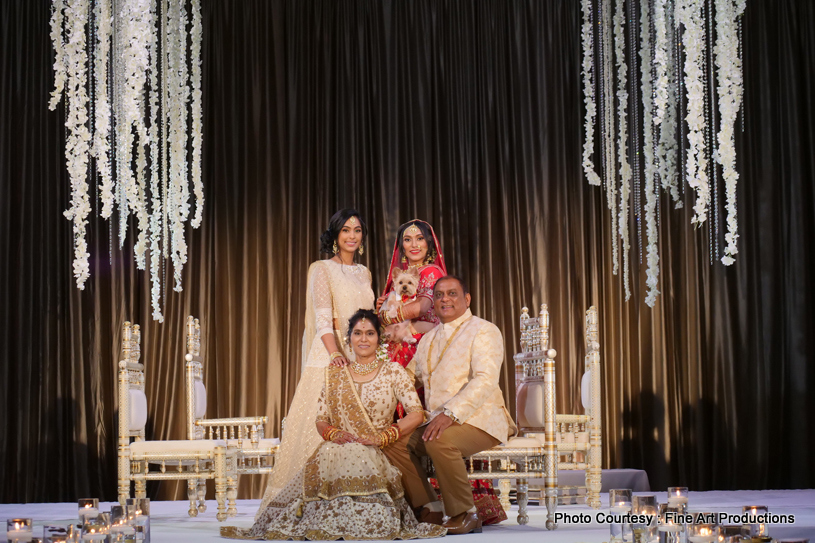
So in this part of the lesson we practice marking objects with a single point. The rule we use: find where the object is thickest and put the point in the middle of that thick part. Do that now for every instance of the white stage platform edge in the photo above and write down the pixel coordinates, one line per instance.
(171, 524)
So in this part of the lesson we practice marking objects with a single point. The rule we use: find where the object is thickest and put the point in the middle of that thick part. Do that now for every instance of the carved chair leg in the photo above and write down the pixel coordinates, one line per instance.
(504, 487)
(141, 484)
(550, 489)
(192, 494)
(232, 483)
(220, 482)
(202, 495)
(522, 494)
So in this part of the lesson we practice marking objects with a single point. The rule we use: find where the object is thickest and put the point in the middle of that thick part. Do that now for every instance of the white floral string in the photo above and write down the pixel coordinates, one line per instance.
(730, 91)
(651, 248)
(588, 93)
(622, 141)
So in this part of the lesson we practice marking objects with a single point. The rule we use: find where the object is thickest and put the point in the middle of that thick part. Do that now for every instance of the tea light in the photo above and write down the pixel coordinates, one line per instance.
(620, 508)
(678, 496)
(703, 533)
(18, 529)
(88, 507)
(755, 529)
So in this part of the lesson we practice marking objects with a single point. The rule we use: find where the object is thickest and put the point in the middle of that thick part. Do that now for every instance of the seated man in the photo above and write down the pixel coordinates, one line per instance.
(459, 364)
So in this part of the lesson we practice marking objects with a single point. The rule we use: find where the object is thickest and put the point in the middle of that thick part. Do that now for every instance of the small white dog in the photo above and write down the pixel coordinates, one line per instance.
(405, 285)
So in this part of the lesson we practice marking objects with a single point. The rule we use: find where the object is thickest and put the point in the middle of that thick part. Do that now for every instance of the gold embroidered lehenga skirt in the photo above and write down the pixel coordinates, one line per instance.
(350, 491)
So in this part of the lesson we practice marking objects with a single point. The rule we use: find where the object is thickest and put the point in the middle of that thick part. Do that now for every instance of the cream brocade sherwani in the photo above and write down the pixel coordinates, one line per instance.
(465, 380)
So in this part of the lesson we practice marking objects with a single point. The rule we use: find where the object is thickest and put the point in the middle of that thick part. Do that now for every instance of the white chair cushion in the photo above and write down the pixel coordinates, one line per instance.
(522, 442)
(179, 445)
(200, 400)
(585, 391)
(138, 410)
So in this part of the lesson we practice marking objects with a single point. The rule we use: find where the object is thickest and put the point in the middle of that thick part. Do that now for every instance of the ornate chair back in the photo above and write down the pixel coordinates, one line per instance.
(132, 399)
(196, 391)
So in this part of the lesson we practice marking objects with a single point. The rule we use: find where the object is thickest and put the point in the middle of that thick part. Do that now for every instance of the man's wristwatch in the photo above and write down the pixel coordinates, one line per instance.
(452, 415)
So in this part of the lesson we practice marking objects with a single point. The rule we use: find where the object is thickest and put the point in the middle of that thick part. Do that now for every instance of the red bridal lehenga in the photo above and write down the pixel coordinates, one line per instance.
(487, 503)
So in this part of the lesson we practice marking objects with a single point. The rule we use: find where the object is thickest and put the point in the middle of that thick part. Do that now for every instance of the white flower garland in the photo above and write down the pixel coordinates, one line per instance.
(648, 123)
(76, 145)
(156, 207)
(730, 90)
(665, 109)
(610, 170)
(690, 15)
(60, 68)
(588, 93)
(101, 135)
(622, 142)
(197, 108)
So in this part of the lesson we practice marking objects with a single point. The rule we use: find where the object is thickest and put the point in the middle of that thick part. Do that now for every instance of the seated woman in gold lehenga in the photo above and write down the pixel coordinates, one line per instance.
(350, 489)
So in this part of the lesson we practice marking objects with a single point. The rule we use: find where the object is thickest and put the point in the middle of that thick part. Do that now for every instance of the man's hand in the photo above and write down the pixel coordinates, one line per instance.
(436, 427)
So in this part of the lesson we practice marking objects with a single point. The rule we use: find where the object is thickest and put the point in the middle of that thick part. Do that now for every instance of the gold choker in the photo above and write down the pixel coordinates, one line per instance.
(365, 369)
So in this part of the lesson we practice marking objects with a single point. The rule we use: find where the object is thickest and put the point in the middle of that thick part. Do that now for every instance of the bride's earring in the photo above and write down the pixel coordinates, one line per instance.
(336, 249)
(404, 259)
(361, 249)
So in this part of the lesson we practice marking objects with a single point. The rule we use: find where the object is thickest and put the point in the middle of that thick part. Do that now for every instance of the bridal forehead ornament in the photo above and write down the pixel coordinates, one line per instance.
(413, 230)
(352, 221)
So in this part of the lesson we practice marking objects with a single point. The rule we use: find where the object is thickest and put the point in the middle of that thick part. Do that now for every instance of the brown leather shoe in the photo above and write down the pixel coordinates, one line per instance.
(423, 514)
(464, 523)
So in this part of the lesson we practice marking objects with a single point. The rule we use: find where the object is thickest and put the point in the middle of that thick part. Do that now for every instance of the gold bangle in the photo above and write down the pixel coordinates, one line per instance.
(336, 354)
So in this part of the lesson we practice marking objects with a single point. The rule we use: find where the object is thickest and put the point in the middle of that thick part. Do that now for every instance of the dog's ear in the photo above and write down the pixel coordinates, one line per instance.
(397, 272)
(414, 271)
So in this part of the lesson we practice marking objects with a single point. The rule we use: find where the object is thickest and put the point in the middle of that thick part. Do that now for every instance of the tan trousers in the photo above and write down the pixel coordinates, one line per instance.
(456, 442)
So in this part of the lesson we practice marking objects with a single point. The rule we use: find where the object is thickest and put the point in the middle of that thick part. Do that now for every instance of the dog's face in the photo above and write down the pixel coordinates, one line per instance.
(405, 282)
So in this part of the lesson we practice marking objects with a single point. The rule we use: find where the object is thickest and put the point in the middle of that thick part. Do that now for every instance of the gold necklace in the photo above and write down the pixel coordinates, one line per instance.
(449, 341)
(365, 369)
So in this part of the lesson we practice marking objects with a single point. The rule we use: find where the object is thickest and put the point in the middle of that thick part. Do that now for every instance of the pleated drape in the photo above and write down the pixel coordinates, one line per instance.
(468, 115)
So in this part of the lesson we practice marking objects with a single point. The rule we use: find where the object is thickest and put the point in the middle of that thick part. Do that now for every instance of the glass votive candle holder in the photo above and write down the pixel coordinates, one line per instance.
(19, 529)
(619, 502)
(754, 527)
(703, 533)
(671, 524)
(678, 497)
(57, 534)
(88, 507)
(644, 529)
(120, 527)
(138, 514)
(96, 528)
(141, 532)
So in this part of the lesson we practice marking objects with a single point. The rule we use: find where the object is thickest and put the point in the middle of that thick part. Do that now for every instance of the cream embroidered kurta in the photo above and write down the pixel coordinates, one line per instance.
(465, 379)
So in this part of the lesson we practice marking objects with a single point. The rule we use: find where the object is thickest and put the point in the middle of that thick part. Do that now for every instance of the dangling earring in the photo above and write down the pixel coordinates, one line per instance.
(432, 256)
(336, 249)
(404, 259)
(361, 249)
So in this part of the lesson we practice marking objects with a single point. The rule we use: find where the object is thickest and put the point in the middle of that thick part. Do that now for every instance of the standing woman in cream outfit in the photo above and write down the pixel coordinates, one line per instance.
(336, 289)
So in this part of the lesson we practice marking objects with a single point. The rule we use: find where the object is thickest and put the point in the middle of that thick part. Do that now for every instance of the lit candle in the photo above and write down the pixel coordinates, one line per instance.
(703, 535)
(620, 508)
(18, 529)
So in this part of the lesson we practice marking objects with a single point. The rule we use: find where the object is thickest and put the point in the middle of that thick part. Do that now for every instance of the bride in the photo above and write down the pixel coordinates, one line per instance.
(350, 490)
(336, 288)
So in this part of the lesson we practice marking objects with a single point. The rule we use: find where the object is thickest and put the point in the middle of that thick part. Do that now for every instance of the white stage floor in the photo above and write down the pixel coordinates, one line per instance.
(171, 524)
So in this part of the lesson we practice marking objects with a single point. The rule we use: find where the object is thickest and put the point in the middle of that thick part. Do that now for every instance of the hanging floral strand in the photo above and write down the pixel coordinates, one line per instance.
(622, 142)
(588, 92)
(651, 250)
(730, 91)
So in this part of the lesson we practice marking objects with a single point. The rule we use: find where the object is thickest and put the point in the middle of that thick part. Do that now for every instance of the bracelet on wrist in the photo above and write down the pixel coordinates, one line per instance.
(336, 354)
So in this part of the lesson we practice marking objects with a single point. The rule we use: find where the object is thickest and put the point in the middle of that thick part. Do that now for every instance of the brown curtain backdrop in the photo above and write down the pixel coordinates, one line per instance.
(466, 114)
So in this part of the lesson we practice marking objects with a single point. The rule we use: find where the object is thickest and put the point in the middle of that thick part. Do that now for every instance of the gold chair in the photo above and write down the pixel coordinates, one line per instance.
(193, 461)
(548, 441)
(245, 435)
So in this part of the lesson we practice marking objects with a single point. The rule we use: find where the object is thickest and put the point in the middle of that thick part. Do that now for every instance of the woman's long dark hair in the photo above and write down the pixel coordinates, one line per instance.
(432, 250)
(368, 314)
(335, 225)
